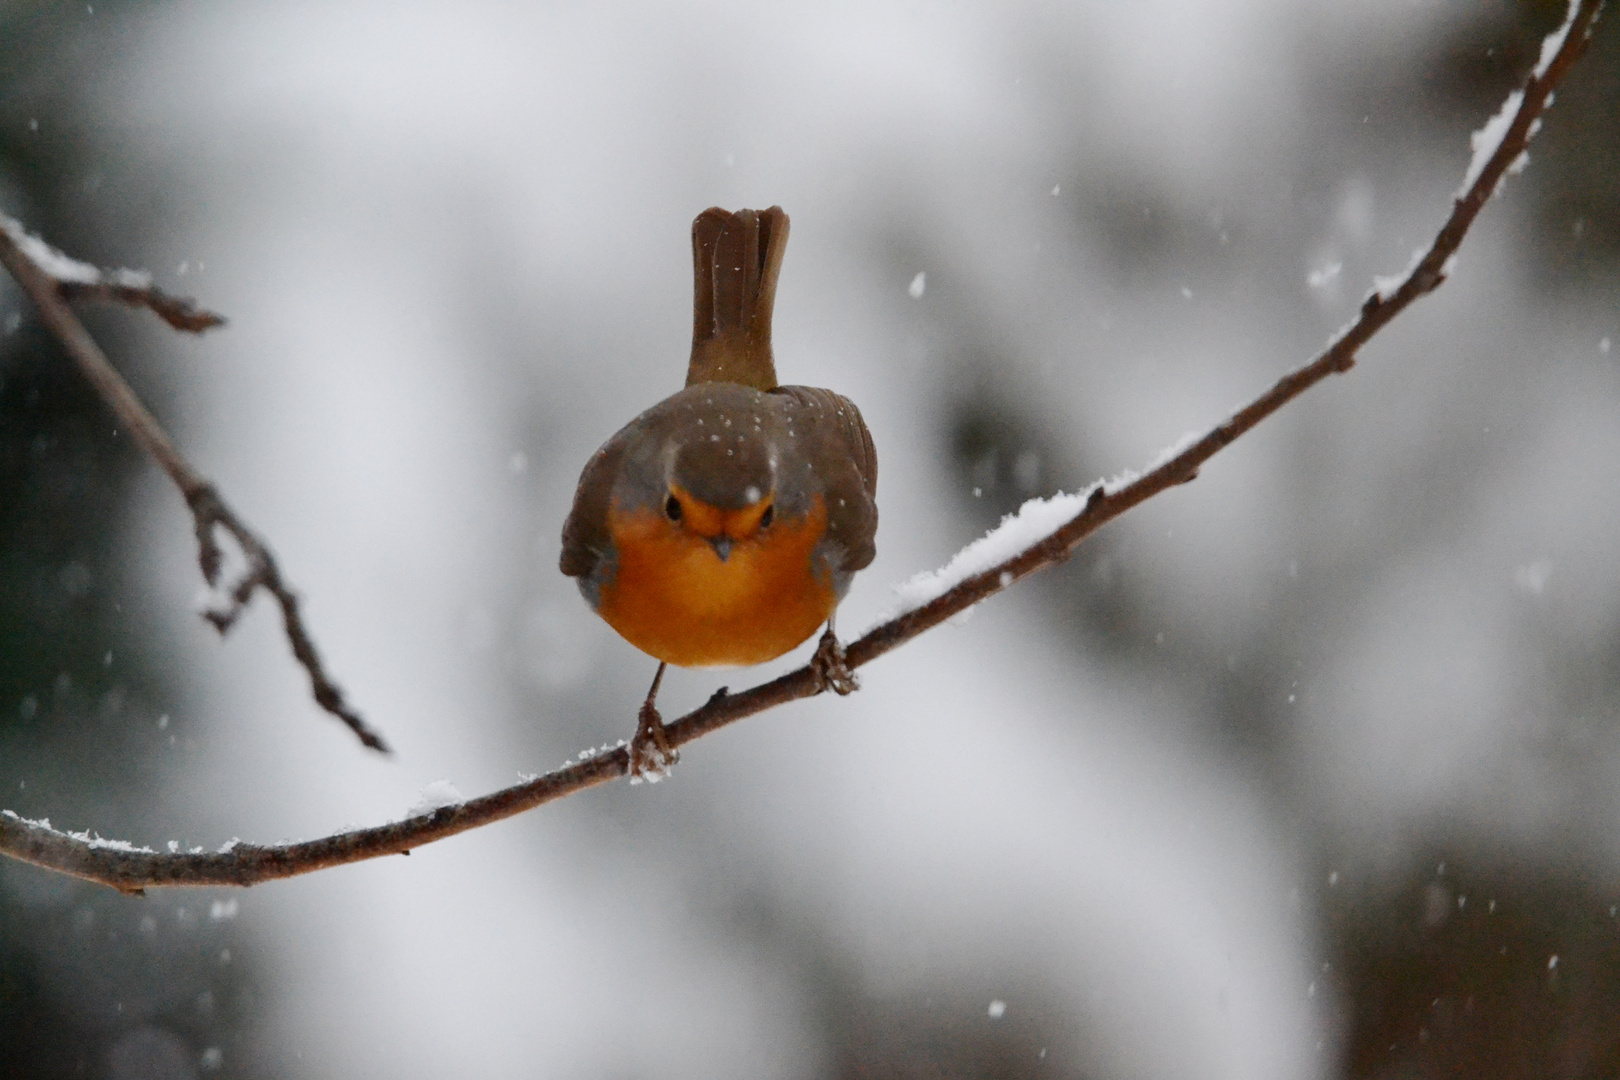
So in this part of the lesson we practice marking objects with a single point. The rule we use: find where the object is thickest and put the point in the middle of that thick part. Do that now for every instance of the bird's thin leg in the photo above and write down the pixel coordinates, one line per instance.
(650, 753)
(831, 671)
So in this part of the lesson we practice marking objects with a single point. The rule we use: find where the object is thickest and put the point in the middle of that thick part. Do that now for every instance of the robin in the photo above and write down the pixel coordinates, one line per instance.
(722, 526)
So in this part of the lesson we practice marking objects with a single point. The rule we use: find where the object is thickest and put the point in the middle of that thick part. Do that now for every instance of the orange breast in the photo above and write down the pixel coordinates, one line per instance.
(674, 598)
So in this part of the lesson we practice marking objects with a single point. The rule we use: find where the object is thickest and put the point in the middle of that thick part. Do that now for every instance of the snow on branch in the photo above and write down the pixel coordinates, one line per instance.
(1035, 521)
(1043, 534)
(77, 280)
(50, 278)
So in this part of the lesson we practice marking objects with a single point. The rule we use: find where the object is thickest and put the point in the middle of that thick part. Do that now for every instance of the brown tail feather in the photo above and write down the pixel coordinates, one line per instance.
(736, 258)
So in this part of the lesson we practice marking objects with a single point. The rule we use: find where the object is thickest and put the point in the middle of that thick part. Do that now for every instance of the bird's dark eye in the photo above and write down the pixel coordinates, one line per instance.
(767, 516)
(672, 508)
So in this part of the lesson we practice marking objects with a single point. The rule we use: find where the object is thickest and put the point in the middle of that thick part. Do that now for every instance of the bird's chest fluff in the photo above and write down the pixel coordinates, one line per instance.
(672, 595)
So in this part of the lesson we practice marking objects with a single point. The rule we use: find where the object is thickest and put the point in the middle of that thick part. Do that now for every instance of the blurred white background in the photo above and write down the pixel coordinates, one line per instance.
(1157, 804)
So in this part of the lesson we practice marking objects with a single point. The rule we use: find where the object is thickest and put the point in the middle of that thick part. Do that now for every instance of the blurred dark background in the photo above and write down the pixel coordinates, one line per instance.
(1309, 769)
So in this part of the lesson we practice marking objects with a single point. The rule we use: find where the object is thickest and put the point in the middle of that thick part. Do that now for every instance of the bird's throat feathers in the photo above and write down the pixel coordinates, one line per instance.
(674, 597)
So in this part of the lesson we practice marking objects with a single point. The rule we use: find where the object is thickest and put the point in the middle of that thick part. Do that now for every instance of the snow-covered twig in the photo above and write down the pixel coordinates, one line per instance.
(77, 280)
(1058, 536)
(1427, 272)
(49, 277)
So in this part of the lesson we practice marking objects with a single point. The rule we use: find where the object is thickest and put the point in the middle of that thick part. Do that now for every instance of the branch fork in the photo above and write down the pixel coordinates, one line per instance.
(50, 279)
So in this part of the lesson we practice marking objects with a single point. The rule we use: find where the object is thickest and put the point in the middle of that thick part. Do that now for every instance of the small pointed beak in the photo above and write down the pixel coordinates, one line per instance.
(722, 547)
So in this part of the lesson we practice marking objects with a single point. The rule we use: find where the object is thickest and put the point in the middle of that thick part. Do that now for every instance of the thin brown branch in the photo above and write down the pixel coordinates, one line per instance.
(77, 280)
(242, 864)
(48, 277)
(180, 312)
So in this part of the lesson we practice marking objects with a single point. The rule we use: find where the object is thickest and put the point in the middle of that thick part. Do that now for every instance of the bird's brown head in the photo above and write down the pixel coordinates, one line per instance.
(721, 477)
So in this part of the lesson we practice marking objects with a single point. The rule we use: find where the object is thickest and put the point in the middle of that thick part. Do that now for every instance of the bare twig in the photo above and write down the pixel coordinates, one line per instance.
(49, 277)
(242, 864)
